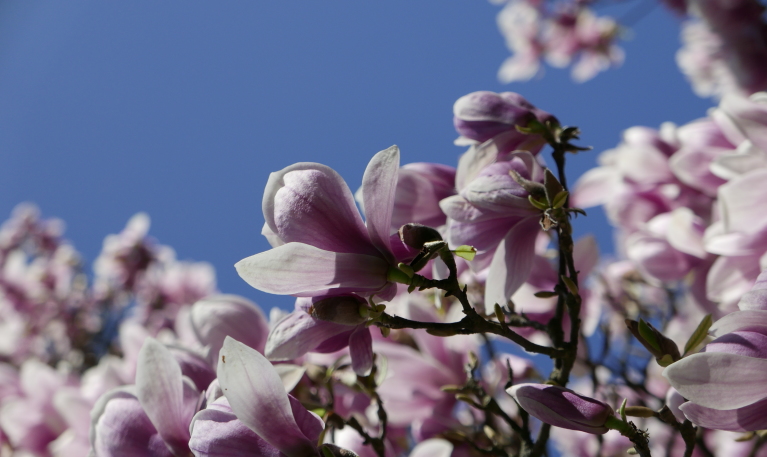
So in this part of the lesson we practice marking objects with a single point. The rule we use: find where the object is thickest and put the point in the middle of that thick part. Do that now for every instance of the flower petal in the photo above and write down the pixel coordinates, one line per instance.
(160, 390)
(256, 395)
(297, 268)
(745, 419)
(379, 184)
(361, 350)
(299, 333)
(310, 203)
(218, 316)
(719, 380)
(218, 433)
(511, 263)
(739, 320)
(434, 447)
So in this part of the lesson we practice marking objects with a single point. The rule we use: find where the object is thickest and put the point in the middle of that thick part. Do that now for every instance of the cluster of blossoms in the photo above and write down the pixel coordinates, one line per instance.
(559, 34)
(420, 298)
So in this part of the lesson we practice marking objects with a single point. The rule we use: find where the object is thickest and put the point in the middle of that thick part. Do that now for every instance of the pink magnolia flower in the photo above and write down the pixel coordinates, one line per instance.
(493, 214)
(320, 243)
(726, 382)
(255, 416)
(150, 418)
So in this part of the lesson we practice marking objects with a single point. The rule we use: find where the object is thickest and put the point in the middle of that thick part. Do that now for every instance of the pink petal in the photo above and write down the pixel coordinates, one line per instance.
(739, 320)
(719, 380)
(218, 316)
(256, 395)
(160, 390)
(511, 263)
(297, 268)
(299, 333)
(379, 184)
(361, 351)
(310, 203)
(745, 419)
(217, 432)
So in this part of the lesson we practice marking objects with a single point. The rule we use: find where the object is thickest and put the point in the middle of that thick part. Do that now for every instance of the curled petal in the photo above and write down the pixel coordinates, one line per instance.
(218, 316)
(310, 203)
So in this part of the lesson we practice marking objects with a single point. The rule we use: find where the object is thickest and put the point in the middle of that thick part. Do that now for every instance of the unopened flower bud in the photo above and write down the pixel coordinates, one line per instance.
(482, 115)
(416, 235)
(561, 407)
(343, 309)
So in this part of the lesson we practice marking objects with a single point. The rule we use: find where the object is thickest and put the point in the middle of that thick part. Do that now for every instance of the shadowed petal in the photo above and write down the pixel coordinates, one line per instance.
(299, 333)
(124, 430)
(257, 396)
(719, 380)
(216, 432)
(361, 351)
(297, 268)
(745, 419)
(511, 263)
(379, 184)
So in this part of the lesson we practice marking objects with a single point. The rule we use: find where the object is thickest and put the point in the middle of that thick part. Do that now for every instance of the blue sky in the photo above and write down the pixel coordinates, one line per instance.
(182, 109)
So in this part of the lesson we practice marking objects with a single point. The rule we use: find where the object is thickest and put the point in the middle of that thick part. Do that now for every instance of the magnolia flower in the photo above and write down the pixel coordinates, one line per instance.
(320, 243)
(255, 416)
(726, 383)
(150, 418)
(562, 407)
(492, 213)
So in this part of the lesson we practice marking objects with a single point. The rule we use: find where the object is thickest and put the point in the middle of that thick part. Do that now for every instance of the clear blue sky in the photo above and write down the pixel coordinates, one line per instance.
(182, 109)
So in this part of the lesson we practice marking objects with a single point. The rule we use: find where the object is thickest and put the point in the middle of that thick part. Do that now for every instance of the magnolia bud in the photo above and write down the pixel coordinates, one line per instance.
(342, 309)
(416, 235)
(561, 407)
(482, 115)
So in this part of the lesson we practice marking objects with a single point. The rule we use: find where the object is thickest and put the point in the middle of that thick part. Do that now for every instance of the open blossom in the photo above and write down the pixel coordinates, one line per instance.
(493, 214)
(572, 31)
(320, 243)
(151, 418)
(255, 416)
(725, 383)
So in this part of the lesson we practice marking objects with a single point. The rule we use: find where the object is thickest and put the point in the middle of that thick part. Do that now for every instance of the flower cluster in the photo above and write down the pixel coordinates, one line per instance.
(427, 303)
